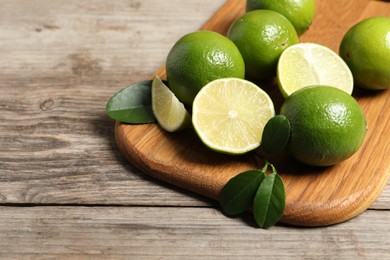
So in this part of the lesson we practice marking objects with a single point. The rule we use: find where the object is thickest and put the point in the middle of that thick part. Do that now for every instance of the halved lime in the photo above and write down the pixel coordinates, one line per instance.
(308, 64)
(229, 115)
(168, 110)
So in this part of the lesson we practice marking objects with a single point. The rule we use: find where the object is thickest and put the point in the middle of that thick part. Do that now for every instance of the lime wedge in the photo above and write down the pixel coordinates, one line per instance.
(308, 64)
(170, 113)
(229, 115)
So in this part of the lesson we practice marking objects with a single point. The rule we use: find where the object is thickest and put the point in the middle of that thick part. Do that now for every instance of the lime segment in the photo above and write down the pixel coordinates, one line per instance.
(229, 115)
(168, 110)
(308, 64)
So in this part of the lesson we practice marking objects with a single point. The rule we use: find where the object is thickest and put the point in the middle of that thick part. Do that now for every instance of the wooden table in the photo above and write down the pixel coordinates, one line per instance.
(65, 189)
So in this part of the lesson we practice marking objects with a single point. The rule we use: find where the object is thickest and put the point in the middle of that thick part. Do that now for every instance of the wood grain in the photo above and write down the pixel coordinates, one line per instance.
(57, 145)
(61, 62)
(191, 233)
(315, 196)
(66, 192)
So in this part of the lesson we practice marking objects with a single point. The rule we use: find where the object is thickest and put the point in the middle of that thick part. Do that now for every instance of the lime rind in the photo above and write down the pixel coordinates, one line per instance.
(307, 64)
(327, 125)
(365, 47)
(170, 113)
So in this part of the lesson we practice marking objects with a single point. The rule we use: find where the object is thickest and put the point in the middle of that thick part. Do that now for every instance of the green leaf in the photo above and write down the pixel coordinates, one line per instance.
(270, 201)
(132, 104)
(237, 195)
(275, 135)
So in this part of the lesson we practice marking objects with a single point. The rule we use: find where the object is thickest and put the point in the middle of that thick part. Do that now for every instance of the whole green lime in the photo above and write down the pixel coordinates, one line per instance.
(301, 13)
(199, 58)
(327, 125)
(262, 36)
(366, 50)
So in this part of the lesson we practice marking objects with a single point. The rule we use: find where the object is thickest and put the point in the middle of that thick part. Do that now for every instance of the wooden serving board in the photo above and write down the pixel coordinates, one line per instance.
(315, 196)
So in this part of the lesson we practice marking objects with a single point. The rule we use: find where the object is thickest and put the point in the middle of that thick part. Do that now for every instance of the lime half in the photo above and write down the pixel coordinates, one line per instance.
(229, 115)
(308, 64)
(168, 110)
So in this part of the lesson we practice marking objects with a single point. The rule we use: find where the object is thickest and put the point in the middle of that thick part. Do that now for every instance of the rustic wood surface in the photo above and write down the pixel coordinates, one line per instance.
(65, 189)
(314, 196)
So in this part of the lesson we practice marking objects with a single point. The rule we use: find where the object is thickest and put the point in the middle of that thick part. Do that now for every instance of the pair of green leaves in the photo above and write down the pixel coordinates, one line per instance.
(265, 194)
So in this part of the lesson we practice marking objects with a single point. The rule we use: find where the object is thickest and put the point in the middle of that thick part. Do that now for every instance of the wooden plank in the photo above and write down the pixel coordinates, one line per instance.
(58, 147)
(150, 233)
(175, 233)
(61, 62)
(87, 39)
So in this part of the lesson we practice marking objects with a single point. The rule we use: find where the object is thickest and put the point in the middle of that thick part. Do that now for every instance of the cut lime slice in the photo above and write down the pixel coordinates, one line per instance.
(229, 115)
(168, 110)
(307, 64)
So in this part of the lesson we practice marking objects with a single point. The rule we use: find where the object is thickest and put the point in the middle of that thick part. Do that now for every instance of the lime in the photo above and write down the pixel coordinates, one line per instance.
(366, 49)
(198, 58)
(262, 36)
(300, 12)
(327, 125)
(170, 113)
(229, 115)
(306, 64)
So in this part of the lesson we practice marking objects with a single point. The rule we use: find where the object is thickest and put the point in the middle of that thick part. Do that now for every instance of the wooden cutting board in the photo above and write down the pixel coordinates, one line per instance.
(314, 196)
